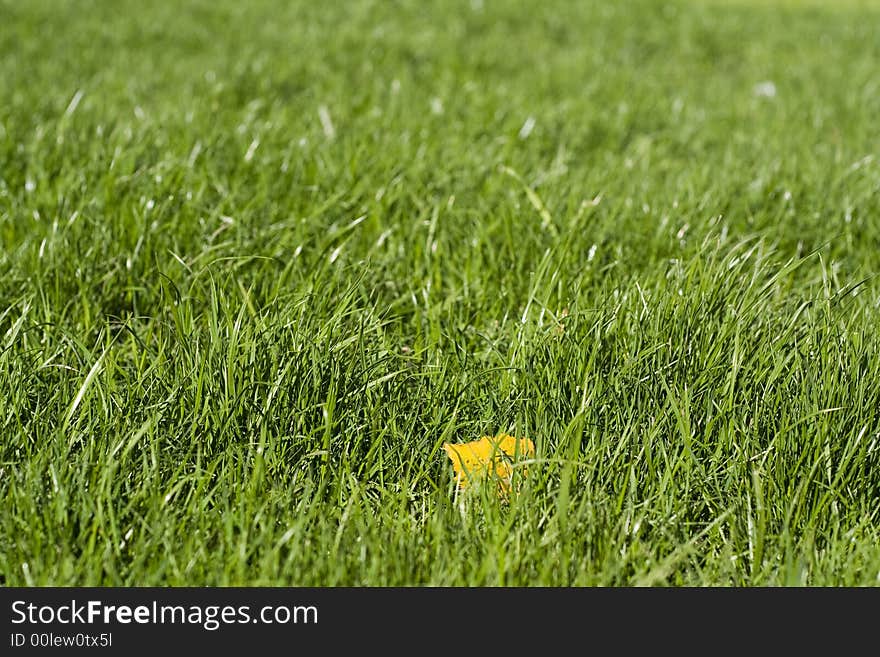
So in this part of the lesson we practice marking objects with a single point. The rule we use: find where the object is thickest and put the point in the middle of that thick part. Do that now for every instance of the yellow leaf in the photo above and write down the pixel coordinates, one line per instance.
(489, 455)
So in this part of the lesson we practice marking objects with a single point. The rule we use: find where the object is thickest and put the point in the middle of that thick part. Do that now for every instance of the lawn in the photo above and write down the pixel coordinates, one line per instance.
(260, 260)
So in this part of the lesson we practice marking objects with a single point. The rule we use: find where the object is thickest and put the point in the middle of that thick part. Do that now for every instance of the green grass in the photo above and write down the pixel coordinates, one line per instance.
(260, 260)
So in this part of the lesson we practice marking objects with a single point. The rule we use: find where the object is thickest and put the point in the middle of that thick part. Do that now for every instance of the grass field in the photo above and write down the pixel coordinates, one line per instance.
(260, 260)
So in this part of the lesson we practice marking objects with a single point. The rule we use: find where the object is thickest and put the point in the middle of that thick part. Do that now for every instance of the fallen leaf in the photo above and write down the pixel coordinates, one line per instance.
(495, 455)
